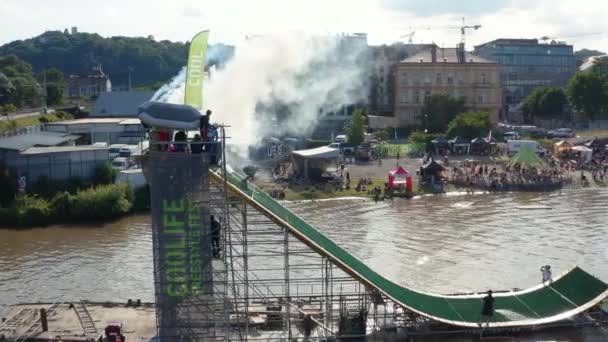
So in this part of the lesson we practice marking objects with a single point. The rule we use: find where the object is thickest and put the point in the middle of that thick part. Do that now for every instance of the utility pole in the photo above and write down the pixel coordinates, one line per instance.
(44, 92)
(130, 69)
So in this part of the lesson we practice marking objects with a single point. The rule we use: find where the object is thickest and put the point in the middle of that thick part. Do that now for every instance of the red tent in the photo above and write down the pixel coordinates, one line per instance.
(398, 177)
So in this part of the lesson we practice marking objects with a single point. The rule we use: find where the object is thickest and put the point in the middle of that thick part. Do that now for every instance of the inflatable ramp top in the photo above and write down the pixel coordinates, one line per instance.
(568, 295)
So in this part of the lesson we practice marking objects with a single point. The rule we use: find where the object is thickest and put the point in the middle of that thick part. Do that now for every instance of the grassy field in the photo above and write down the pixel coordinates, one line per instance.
(391, 150)
(7, 125)
(597, 133)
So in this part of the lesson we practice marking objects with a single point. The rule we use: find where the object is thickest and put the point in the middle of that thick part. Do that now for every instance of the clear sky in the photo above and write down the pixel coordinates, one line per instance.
(384, 20)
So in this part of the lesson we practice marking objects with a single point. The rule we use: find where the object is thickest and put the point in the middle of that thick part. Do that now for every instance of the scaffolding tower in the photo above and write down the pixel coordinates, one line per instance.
(264, 285)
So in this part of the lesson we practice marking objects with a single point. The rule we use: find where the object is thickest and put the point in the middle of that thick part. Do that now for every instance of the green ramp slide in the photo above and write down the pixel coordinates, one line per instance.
(570, 294)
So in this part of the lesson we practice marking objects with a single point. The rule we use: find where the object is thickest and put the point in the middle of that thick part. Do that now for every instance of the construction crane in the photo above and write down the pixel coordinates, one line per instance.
(463, 30)
(409, 36)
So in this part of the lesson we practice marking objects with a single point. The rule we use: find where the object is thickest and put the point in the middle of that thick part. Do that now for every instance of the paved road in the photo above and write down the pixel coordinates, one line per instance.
(19, 116)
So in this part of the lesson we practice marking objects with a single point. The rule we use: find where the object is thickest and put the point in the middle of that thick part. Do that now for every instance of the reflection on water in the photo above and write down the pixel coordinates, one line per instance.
(433, 243)
(99, 262)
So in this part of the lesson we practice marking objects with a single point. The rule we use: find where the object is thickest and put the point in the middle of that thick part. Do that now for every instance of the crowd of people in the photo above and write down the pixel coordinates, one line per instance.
(497, 177)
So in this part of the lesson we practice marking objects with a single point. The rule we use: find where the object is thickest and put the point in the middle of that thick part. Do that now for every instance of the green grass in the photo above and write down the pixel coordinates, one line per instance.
(603, 133)
(8, 125)
(391, 150)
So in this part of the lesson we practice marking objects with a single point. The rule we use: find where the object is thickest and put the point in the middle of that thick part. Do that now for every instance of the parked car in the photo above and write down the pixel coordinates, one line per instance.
(341, 139)
(561, 133)
(511, 136)
(121, 163)
(346, 149)
(515, 146)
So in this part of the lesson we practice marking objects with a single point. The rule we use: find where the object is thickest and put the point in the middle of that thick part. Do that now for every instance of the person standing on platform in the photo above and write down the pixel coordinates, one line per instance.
(487, 310)
(204, 123)
(216, 228)
(546, 271)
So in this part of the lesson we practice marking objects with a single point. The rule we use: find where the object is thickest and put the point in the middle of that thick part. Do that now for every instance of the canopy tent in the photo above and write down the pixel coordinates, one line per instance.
(479, 146)
(398, 177)
(585, 151)
(323, 152)
(440, 145)
(561, 146)
(479, 141)
(460, 145)
(312, 163)
(527, 157)
(431, 168)
(440, 142)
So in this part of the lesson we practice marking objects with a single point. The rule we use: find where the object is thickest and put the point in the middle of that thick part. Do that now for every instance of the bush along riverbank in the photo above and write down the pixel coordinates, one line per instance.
(103, 202)
(50, 202)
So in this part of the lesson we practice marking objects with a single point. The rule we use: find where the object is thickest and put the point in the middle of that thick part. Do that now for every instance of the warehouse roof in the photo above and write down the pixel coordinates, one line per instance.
(59, 149)
(25, 141)
(120, 103)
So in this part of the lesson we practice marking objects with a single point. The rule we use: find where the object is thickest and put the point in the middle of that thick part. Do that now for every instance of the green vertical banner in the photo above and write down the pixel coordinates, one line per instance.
(195, 77)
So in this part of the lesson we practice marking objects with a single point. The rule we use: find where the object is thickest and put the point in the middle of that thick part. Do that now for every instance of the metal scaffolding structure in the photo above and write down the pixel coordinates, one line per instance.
(265, 284)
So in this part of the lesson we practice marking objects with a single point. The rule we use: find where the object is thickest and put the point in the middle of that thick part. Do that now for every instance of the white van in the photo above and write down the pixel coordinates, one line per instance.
(341, 139)
(115, 150)
(120, 163)
(135, 177)
(514, 146)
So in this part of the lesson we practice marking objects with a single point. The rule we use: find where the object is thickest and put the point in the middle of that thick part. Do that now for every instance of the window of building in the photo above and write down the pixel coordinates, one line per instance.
(438, 79)
(484, 80)
(427, 79)
(404, 78)
(404, 98)
(450, 79)
(417, 96)
(482, 97)
(427, 93)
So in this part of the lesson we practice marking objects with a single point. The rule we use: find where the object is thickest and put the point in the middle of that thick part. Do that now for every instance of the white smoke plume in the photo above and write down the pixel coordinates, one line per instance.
(308, 76)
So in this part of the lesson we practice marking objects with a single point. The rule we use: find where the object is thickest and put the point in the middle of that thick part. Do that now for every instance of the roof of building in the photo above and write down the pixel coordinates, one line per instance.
(323, 152)
(59, 149)
(85, 121)
(444, 55)
(120, 103)
(25, 141)
(520, 41)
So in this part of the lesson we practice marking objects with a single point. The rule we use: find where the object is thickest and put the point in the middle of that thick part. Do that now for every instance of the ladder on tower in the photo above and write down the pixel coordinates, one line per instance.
(86, 321)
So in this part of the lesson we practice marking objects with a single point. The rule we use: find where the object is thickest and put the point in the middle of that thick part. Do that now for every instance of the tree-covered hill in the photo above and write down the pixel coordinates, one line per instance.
(149, 60)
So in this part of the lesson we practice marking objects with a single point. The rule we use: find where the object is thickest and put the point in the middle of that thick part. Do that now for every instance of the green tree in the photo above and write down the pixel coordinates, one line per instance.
(588, 92)
(20, 87)
(356, 131)
(546, 102)
(54, 86)
(439, 110)
(470, 125)
(105, 174)
(7, 109)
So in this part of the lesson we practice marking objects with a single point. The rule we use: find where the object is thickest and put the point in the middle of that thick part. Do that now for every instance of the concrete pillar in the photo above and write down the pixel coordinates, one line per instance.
(43, 320)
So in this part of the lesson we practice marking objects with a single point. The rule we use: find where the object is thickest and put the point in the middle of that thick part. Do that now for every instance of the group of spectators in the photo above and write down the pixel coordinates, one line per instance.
(204, 141)
(499, 177)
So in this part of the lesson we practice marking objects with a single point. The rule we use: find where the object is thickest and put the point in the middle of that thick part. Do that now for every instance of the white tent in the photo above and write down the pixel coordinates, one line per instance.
(323, 152)
(585, 151)
(315, 159)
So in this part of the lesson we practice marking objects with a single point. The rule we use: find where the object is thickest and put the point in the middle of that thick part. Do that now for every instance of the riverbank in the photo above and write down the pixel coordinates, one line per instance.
(94, 204)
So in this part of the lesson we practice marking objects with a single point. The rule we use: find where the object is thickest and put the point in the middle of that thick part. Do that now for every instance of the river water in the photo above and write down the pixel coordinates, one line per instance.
(445, 244)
